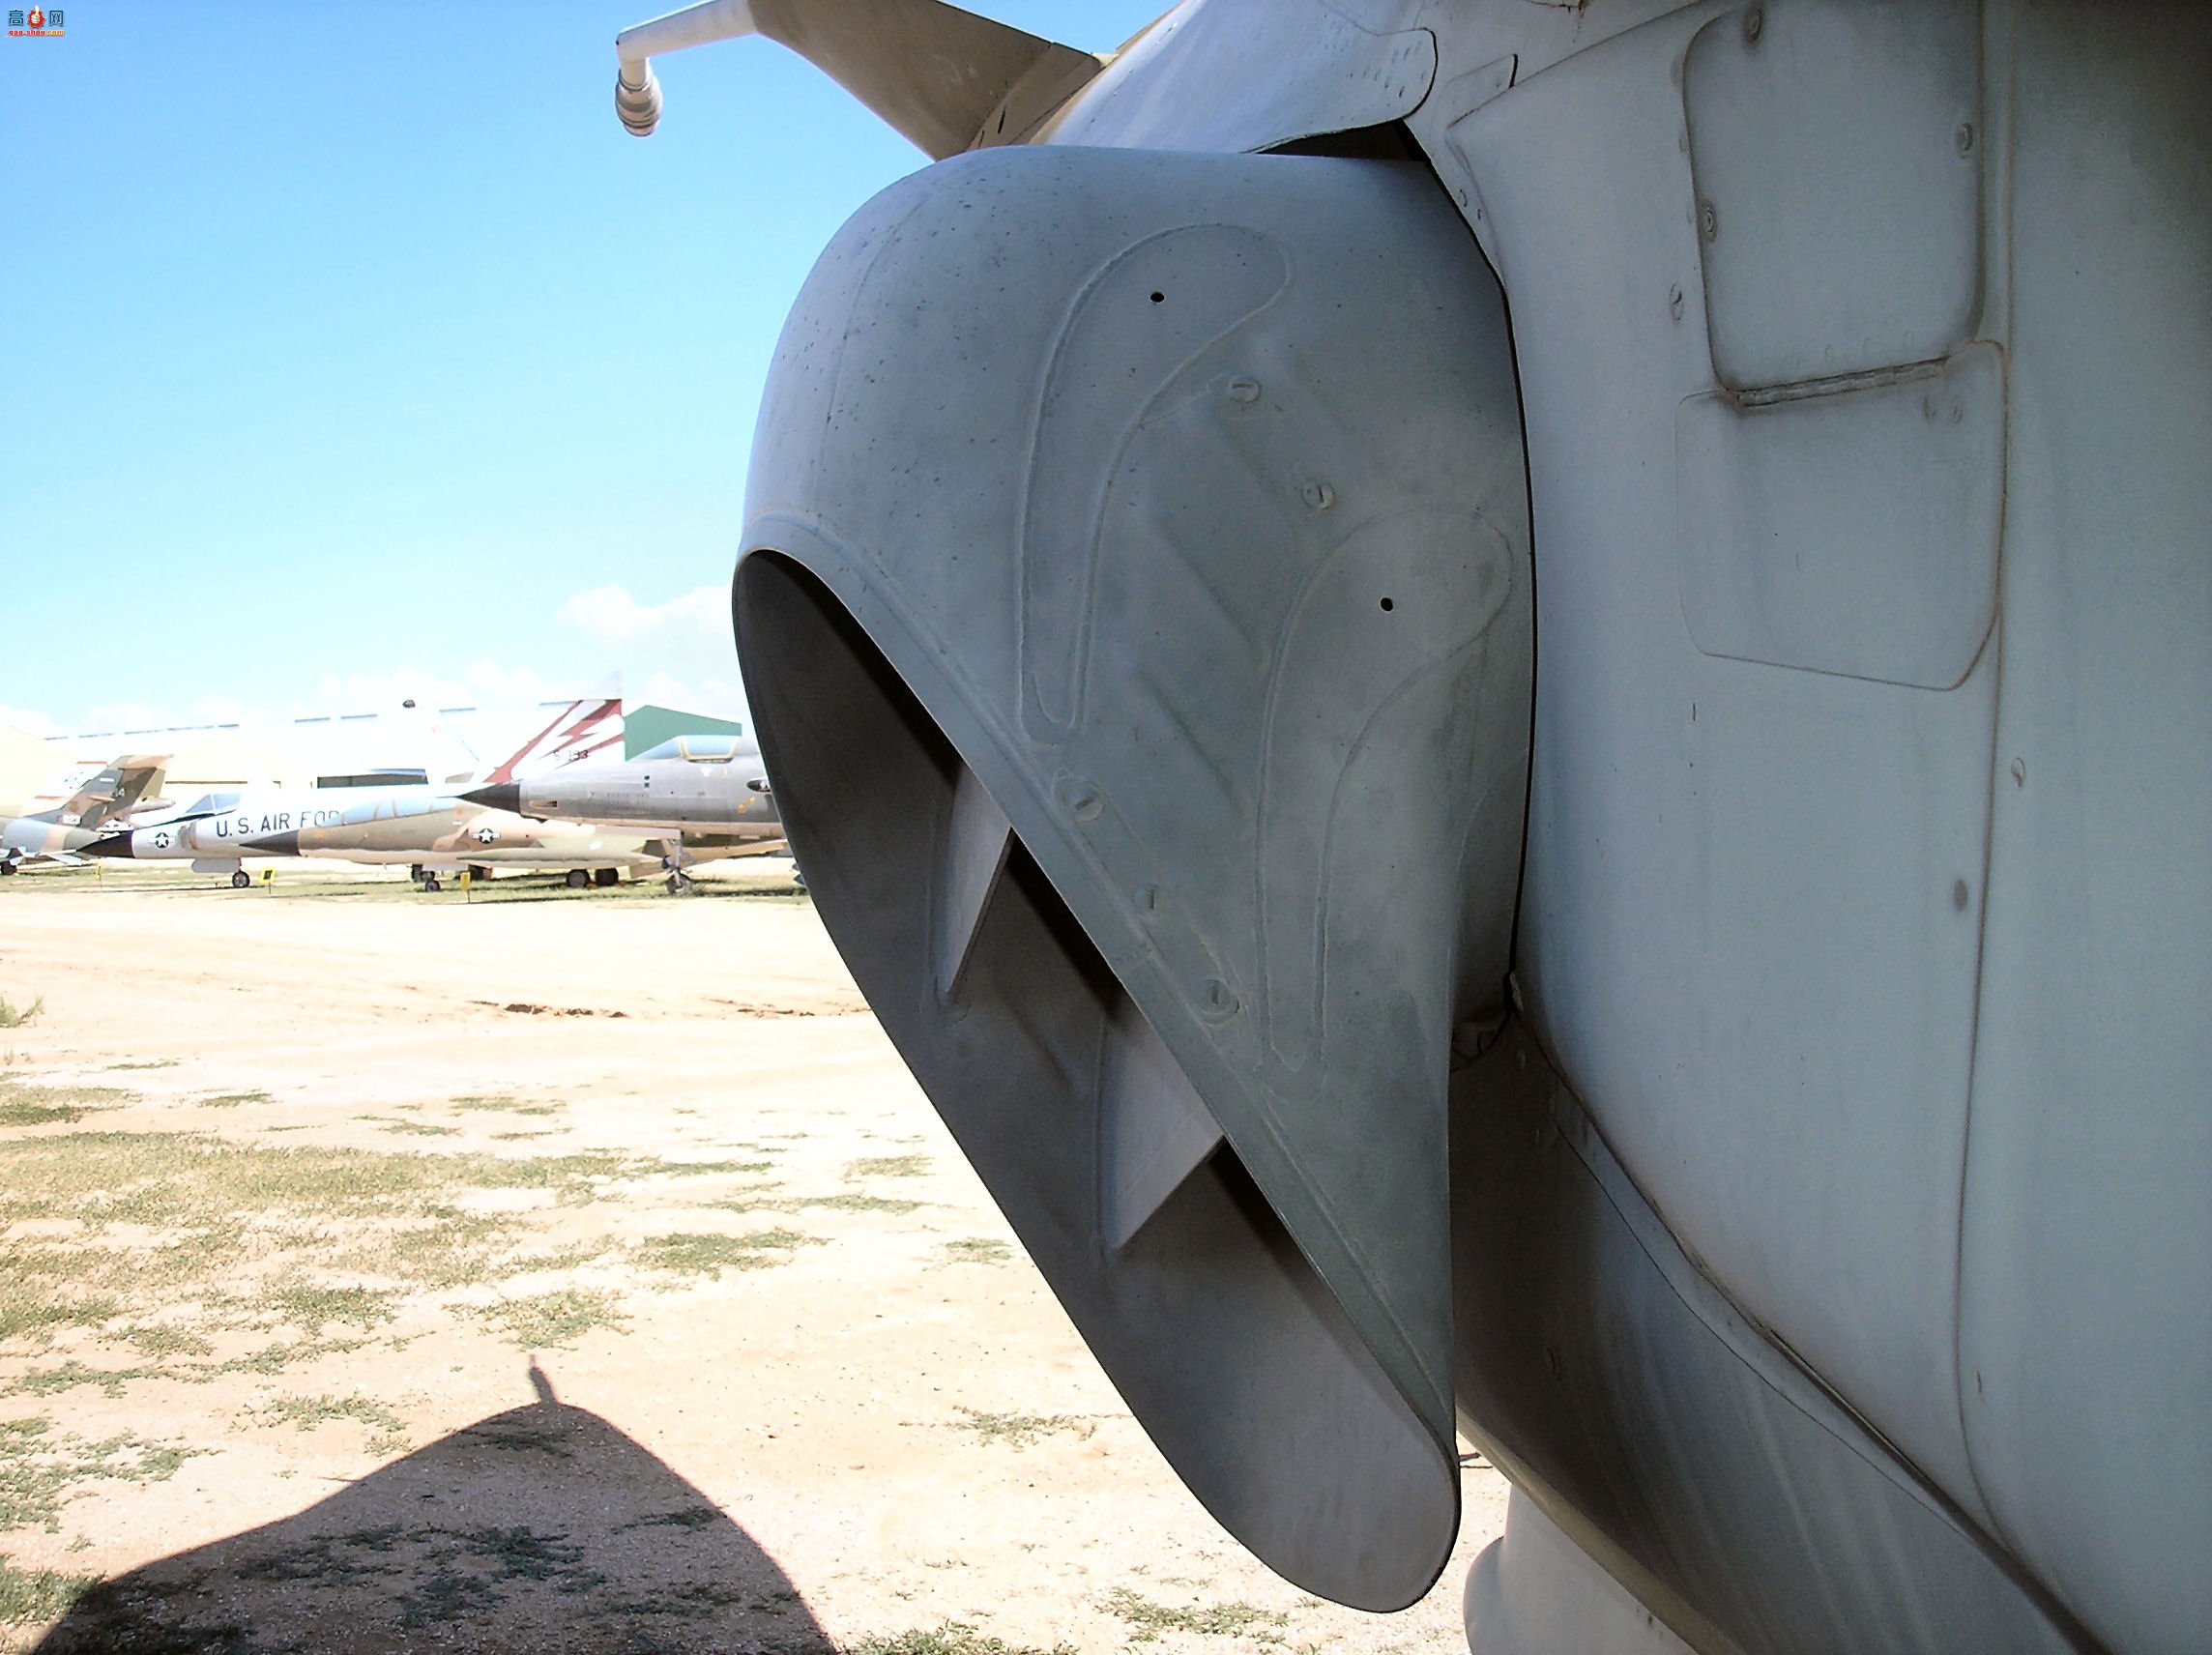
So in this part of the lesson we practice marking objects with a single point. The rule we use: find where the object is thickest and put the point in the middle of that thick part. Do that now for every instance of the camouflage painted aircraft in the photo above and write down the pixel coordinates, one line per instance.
(414, 823)
(87, 801)
(434, 833)
(705, 795)
(1510, 704)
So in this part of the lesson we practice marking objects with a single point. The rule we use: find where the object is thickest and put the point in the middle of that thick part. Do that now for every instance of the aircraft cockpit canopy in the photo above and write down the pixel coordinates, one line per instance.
(700, 749)
(213, 804)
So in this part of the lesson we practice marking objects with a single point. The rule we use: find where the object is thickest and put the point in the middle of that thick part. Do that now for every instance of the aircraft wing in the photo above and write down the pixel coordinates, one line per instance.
(946, 79)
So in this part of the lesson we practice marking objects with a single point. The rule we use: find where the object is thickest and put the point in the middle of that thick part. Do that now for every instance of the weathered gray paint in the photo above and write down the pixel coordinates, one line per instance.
(1847, 1281)
(1197, 428)
(725, 797)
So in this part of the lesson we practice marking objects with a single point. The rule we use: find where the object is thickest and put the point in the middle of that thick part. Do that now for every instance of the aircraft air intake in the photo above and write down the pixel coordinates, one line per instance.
(1136, 606)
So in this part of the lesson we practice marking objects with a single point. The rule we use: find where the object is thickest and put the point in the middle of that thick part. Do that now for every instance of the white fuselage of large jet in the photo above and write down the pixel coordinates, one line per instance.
(412, 824)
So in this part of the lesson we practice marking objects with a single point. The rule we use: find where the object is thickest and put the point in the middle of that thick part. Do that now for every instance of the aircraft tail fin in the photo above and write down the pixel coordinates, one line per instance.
(584, 727)
(113, 791)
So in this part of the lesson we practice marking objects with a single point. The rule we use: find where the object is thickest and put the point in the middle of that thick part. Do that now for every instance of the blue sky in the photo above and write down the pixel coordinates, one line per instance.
(352, 349)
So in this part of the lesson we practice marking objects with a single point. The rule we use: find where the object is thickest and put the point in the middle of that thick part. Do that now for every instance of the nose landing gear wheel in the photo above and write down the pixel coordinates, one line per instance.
(239, 879)
(579, 878)
(431, 881)
(604, 878)
(679, 884)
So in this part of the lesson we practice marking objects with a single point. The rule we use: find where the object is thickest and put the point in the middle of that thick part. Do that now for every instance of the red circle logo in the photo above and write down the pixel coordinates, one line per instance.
(36, 19)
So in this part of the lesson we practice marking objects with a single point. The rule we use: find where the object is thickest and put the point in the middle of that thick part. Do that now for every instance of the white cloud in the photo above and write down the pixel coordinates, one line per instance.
(715, 697)
(30, 722)
(678, 653)
(611, 614)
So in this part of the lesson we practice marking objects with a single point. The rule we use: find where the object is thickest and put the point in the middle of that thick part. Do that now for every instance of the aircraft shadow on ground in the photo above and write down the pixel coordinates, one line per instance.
(539, 1530)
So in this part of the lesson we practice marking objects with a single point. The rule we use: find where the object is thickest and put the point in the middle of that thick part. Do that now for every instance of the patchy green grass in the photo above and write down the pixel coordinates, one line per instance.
(550, 1441)
(697, 1255)
(55, 1382)
(887, 1167)
(545, 1321)
(322, 1561)
(507, 1105)
(574, 1256)
(27, 1309)
(953, 1638)
(388, 1432)
(40, 1466)
(13, 1016)
(850, 1201)
(1147, 1619)
(198, 1220)
(159, 1341)
(978, 1249)
(443, 1246)
(1019, 1430)
(493, 1555)
(25, 1105)
(844, 1200)
(420, 1129)
(31, 1597)
(149, 1064)
(691, 1518)
(707, 1168)
(310, 1306)
(276, 1358)
(231, 1099)
(179, 1178)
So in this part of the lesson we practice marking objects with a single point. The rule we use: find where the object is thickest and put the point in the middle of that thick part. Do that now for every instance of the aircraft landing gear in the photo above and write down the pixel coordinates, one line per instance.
(240, 879)
(478, 872)
(677, 884)
(580, 878)
(7, 868)
(430, 880)
(604, 878)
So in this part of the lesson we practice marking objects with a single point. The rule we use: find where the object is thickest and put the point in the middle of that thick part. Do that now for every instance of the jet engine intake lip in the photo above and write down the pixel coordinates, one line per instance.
(1169, 853)
(1230, 1352)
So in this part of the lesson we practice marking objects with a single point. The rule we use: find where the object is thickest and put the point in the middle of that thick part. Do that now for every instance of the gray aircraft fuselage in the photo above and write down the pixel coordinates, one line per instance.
(1509, 703)
(690, 785)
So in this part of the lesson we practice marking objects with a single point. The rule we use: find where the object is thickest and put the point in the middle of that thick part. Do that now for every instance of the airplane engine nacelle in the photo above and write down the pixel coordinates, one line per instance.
(1136, 606)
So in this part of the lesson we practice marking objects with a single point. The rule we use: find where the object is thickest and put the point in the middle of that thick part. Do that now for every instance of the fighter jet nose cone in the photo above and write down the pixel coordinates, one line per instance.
(272, 845)
(499, 796)
(112, 845)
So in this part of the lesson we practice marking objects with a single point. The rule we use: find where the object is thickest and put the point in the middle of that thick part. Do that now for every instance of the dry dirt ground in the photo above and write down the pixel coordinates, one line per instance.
(542, 1271)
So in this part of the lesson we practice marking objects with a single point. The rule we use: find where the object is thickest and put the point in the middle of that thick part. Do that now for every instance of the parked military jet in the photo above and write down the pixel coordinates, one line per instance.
(1731, 1037)
(413, 821)
(430, 834)
(704, 796)
(89, 800)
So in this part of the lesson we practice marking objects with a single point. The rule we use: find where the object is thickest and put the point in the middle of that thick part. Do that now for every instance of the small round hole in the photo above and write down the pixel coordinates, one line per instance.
(1387, 604)
(1159, 298)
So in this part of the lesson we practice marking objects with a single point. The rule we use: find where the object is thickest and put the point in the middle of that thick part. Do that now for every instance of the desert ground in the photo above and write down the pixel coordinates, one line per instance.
(527, 1270)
